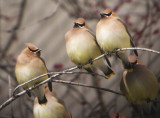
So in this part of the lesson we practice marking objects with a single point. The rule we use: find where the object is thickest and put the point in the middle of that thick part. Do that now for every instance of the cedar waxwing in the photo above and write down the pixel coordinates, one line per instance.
(140, 87)
(30, 65)
(53, 108)
(112, 34)
(82, 47)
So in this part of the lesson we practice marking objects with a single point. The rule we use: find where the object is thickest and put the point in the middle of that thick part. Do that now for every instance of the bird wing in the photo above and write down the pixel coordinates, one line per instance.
(49, 83)
(131, 40)
(102, 52)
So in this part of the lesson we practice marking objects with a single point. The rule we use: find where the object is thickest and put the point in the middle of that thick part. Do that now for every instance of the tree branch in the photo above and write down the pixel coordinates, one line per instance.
(67, 71)
(14, 29)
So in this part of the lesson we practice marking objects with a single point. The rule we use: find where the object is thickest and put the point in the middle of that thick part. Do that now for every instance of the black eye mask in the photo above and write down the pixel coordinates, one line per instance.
(105, 14)
(78, 25)
(36, 50)
(33, 50)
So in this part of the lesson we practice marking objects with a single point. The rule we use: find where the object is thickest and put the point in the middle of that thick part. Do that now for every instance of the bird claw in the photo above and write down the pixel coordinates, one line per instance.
(90, 61)
(79, 66)
(116, 52)
(109, 54)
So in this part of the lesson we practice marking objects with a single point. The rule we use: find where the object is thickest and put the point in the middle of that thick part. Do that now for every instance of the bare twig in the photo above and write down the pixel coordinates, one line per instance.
(96, 83)
(85, 85)
(15, 28)
(76, 67)
(72, 83)
(46, 17)
(57, 81)
(143, 49)
(51, 73)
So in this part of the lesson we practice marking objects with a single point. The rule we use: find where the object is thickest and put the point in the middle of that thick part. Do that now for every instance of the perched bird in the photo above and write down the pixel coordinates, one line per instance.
(53, 108)
(112, 34)
(82, 47)
(30, 65)
(140, 87)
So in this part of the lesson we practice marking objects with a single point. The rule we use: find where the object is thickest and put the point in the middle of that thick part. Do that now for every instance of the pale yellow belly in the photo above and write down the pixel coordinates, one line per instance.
(81, 51)
(112, 36)
(26, 73)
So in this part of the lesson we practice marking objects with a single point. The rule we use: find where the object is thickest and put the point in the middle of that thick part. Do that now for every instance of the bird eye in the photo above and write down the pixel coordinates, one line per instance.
(33, 50)
(108, 14)
(79, 25)
(105, 14)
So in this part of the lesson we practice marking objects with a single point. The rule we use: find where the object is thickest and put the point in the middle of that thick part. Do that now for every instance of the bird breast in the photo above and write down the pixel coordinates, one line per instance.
(28, 71)
(112, 35)
(81, 48)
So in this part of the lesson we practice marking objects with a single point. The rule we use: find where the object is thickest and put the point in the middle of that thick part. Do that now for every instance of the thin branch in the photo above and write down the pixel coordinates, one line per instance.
(15, 28)
(143, 49)
(85, 85)
(46, 17)
(80, 66)
(51, 73)
(73, 83)
(57, 81)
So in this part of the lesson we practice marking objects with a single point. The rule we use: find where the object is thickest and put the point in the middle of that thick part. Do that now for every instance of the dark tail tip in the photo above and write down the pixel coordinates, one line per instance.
(107, 60)
(28, 93)
(89, 70)
(43, 101)
(136, 53)
(109, 73)
(128, 66)
(50, 86)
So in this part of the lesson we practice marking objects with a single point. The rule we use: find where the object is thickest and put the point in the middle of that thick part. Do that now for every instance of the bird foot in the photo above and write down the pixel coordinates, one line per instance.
(116, 52)
(90, 61)
(109, 54)
(79, 66)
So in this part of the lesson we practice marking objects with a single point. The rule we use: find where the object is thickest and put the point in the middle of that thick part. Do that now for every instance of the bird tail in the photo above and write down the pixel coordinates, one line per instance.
(109, 72)
(43, 101)
(124, 56)
(40, 93)
(102, 65)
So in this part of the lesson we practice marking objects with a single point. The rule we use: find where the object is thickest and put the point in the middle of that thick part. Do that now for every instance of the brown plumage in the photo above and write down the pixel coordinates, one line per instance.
(30, 65)
(53, 108)
(82, 47)
(112, 33)
(140, 87)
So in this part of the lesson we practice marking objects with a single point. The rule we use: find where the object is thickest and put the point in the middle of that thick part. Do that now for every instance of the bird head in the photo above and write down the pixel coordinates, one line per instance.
(80, 23)
(33, 50)
(107, 13)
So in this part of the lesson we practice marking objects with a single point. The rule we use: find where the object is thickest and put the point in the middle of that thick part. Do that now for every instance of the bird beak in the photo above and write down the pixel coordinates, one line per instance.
(102, 15)
(38, 50)
(76, 25)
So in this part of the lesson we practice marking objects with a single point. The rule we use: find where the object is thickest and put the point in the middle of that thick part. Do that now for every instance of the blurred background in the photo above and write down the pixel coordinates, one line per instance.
(44, 23)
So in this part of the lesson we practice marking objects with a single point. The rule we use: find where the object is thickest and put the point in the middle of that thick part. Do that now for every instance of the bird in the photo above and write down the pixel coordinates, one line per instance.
(53, 108)
(82, 47)
(112, 34)
(140, 87)
(30, 65)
